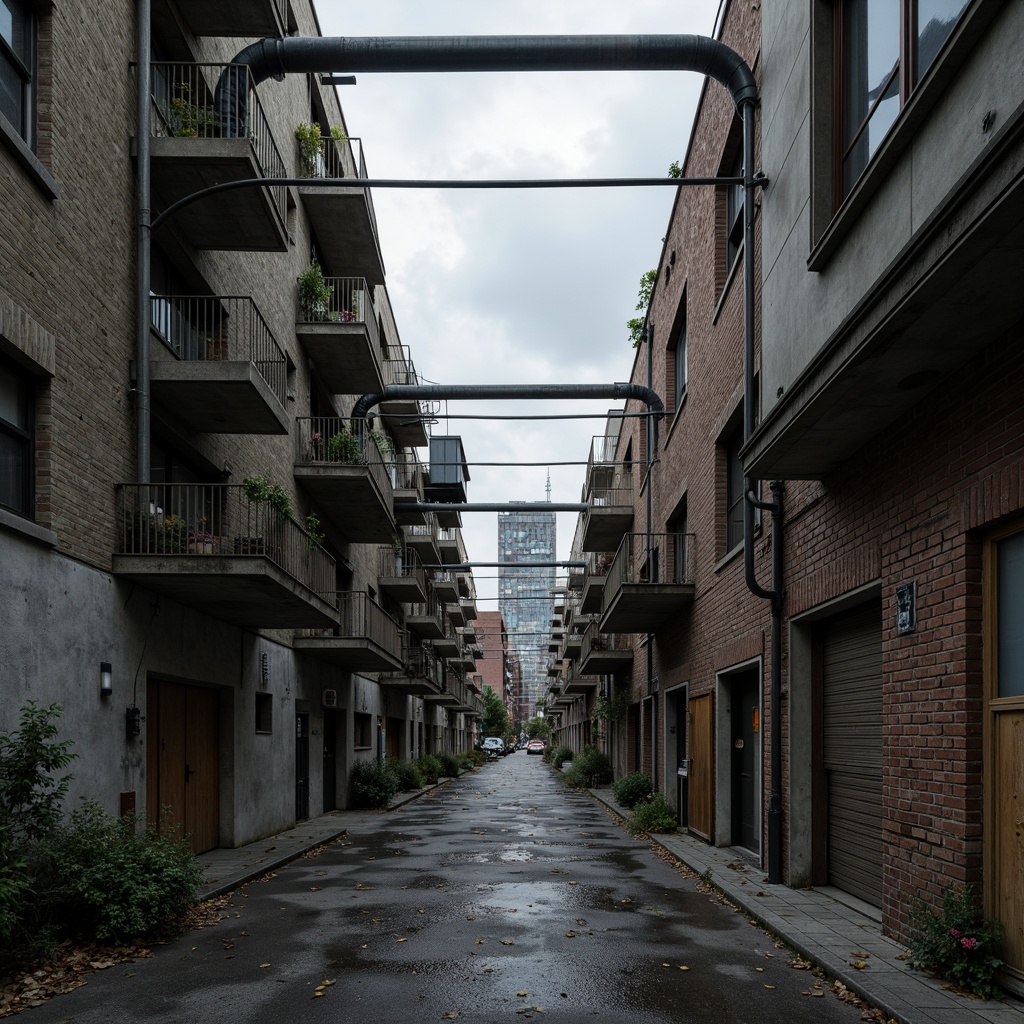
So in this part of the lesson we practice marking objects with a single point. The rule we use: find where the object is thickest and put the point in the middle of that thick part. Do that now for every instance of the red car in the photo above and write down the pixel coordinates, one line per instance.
(535, 747)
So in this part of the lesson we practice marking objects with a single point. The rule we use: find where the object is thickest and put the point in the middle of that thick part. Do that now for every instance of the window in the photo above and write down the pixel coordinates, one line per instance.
(734, 490)
(362, 727)
(16, 436)
(679, 527)
(17, 66)
(264, 712)
(679, 363)
(734, 213)
(883, 49)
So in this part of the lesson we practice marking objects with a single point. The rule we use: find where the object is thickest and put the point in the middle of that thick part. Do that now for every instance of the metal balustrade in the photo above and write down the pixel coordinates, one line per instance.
(222, 328)
(204, 101)
(214, 520)
(339, 157)
(333, 441)
(360, 617)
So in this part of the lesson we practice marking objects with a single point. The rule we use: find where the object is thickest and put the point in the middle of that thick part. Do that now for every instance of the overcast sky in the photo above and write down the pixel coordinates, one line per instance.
(519, 287)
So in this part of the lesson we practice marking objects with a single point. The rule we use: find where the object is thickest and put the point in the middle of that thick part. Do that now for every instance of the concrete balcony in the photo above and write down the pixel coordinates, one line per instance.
(342, 216)
(456, 614)
(341, 335)
(449, 645)
(208, 127)
(594, 578)
(445, 586)
(366, 638)
(406, 417)
(451, 546)
(423, 539)
(610, 514)
(424, 618)
(604, 654)
(572, 645)
(420, 674)
(234, 18)
(217, 367)
(650, 579)
(211, 548)
(347, 476)
(410, 478)
(401, 576)
(576, 684)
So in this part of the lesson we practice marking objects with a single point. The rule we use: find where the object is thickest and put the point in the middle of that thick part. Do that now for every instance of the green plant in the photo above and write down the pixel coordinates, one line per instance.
(314, 534)
(344, 447)
(185, 119)
(408, 775)
(372, 784)
(384, 443)
(117, 878)
(449, 766)
(674, 170)
(613, 708)
(430, 767)
(956, 942)
(632, 789)
(259, 490)
(314, 294)
(590, 768)
(636, 324)
(653, 815)
(338, 134)
(557, 754)
(310, 139)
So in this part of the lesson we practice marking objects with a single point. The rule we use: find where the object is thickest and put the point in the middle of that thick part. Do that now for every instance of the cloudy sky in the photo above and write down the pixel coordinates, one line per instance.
(519, 287)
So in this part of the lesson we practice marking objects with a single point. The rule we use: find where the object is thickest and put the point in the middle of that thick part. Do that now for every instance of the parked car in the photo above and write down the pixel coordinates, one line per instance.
(493, 746)
(535, 747)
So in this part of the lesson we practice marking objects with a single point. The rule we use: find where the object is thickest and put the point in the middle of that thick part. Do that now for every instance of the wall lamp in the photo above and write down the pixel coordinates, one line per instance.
(106, 679)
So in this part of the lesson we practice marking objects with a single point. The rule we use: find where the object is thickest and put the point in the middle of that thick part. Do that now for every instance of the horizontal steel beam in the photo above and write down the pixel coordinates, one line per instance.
(495, 506)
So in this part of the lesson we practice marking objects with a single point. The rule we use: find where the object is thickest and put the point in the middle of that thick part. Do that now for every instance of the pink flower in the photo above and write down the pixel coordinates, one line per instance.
(955, 932)
(968, 943)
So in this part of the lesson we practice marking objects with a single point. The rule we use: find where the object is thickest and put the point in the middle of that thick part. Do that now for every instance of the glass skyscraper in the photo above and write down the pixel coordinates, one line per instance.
(525, 596)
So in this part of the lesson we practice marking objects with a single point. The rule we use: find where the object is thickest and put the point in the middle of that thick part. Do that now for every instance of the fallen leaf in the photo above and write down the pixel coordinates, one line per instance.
(683, 967)
(573, 883)
(507, 942)
(769, 986)
(401, 940)
(818, 993)
(264, 965)
(520, 994)
(761, 969)
(859, 964)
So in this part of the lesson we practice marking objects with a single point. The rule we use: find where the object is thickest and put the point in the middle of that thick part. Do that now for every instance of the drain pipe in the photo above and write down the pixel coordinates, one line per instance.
(143, 238)
(751, 502)
(652, 438)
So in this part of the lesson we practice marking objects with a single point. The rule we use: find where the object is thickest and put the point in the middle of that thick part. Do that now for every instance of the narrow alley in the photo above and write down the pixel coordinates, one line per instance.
(497, 896)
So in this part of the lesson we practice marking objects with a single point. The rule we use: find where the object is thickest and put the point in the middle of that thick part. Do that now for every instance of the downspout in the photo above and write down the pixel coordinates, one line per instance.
(143, 238)
(750, 183)
(651, 441)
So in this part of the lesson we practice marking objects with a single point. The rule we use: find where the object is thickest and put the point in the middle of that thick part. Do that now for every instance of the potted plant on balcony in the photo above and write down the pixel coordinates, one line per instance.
(262, 495)
(344, 447)
(311, 151)
(314, 294)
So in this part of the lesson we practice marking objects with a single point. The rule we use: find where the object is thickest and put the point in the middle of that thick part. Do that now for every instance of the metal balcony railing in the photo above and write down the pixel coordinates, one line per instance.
(431, 608)
(360, 617)
(333, 441)
(423, 531)
(602, 450)
(214, 520)
(203, 101)
(650, 558)
(228, 328)
(350, 302)
(419, 662)
(399, 367)
(616, 491)
(396, 564)
(409, 471)
(338, 157)
(595, 640)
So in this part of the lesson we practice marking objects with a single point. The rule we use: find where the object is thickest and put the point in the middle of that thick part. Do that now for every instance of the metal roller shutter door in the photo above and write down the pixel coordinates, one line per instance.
(852, 751)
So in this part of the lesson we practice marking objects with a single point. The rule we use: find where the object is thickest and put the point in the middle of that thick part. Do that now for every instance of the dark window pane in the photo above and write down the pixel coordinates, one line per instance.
(935, 20)
(1010, 574)
(734, 492)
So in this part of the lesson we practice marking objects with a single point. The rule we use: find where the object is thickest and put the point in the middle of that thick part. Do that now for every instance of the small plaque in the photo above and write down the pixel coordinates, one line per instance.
(906, 608)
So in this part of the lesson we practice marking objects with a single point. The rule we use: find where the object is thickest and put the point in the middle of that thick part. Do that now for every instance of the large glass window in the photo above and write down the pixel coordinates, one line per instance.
(884, 47)
(679, 350)
(16, 431)
(734, 490)
(1010, 582)
(17, 65)
(734, 213)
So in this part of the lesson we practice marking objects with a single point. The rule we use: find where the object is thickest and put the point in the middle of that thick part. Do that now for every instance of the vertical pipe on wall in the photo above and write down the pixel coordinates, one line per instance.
(142, 241)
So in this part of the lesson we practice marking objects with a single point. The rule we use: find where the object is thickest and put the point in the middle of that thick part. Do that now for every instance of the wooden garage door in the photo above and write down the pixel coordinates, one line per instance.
(852, 751)
(701, 765)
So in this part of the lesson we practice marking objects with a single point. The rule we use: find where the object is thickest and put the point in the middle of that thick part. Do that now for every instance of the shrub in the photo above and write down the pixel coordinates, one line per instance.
(430, 767)
(449, 766)
(372, 784)
(632, 789)
(651, 815)
(593, 767)
(476, 757)
(465, 762)
(407, 775)
(957, 943)
(556, 755)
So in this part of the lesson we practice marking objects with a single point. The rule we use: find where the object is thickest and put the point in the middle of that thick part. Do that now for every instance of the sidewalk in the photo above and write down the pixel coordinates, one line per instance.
(834, 930)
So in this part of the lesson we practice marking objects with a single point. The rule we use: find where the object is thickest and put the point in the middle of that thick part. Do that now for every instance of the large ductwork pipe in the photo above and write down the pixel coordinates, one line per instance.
(274, 58)
(487, 392)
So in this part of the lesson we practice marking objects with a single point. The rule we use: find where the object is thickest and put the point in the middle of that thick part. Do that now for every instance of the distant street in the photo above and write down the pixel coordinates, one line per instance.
(497, 897)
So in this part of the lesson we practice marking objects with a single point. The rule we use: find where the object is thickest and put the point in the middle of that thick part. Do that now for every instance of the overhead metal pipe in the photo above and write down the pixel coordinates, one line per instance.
(274, 58)
(469, 392)
(496, 506)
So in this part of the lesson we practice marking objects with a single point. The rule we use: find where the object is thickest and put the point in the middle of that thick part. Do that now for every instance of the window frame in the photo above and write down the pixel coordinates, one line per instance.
(731, 446)
(680, 343)
(27, 73)
(24, 438)
(734, 224)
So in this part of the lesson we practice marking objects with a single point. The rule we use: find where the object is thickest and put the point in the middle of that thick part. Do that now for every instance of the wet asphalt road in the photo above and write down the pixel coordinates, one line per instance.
(497, 897)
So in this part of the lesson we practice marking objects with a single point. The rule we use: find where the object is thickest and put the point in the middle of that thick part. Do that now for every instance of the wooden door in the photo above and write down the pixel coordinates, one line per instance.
(182, 759)
(700, 788)
(1009, 834)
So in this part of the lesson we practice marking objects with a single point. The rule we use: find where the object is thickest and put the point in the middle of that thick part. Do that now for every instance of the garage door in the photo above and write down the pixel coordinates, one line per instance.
(852, 751)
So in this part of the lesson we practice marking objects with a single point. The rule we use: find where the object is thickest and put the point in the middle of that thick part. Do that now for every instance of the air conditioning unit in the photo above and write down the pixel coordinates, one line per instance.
(330, 698)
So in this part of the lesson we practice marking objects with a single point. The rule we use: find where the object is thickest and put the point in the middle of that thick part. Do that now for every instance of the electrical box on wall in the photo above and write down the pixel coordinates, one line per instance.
(330, 698)
(906, 608)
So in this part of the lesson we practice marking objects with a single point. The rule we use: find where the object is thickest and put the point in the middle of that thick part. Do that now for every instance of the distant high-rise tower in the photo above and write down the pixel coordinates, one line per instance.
(525, 596)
